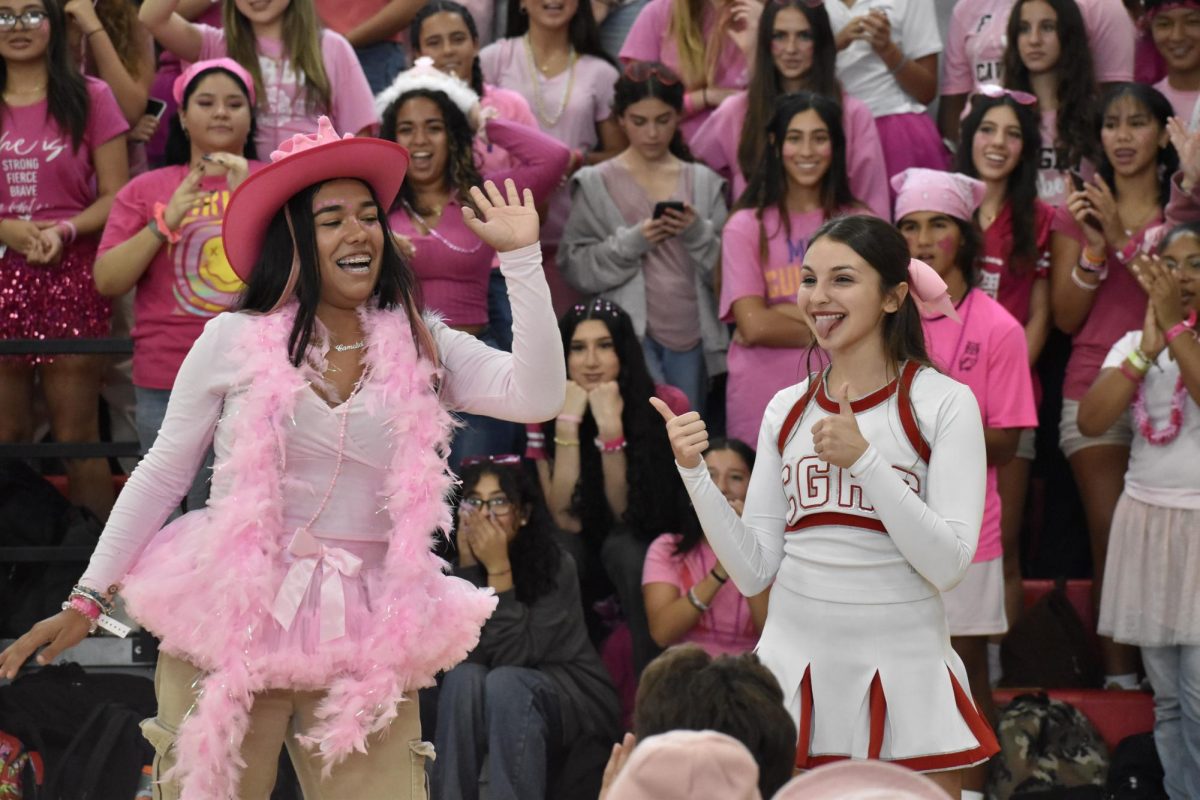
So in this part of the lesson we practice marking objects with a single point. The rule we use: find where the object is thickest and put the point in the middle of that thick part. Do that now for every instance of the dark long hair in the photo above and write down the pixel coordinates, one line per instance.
(179, 150)
(661, 84)
(66, 91)
(1160, 108)
(649, 465)
(535, 556)
(583, 32)
(690, 532)
(448, 7)
(397, 286)
(1021, 188)
(885, 249)
(766, 85)
(461, 173)
(768, 184)
(1076, 86)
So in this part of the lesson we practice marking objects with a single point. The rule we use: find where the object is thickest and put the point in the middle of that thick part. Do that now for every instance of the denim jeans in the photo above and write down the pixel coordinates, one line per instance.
(1174, 673)
(381, 63)
(684, 370)
(616, 26)
(149, 413)
(511, 714)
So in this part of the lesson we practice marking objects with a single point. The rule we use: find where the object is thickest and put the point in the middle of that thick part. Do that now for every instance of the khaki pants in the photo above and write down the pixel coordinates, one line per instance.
(393, 768)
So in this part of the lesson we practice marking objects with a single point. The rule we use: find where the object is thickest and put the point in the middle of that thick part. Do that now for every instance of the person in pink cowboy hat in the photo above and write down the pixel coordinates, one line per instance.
(302, 605)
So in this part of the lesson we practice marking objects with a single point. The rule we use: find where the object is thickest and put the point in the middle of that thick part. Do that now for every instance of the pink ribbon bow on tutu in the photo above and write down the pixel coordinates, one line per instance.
(929, 291)
(310, 554)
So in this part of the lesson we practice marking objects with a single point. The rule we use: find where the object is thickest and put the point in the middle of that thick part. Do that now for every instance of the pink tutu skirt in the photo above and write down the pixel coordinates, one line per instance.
(1152, 576)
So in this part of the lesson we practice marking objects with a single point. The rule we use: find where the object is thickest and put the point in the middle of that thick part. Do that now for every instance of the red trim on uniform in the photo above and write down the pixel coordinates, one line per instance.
(980, 729)
(878, 705)
(908, 419)
(806, 716)
(836, 518)
(857, 406)
(797, 411)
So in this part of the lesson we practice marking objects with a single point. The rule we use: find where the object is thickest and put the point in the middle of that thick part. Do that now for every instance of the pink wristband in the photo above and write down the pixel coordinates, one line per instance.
(614, 446)
(1180, 328)
(84, 606)
(574, 418)
(1129, 372)
(160, 219)
(67, 230)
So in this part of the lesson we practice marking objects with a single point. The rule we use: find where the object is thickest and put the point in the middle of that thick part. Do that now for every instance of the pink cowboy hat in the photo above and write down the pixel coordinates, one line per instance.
(300, 162)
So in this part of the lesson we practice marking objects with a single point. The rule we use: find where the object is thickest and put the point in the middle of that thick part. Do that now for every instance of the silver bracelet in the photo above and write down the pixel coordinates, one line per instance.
(695, 601)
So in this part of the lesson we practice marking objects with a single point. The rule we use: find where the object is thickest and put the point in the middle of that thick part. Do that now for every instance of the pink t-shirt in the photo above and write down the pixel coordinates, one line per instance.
(727, 626)
(451, 263)
(1183, 101)
(988, 353)
(343, 16)
(716, 144)
(285, 111)
(757, 373)
(45, 178)
(588, 102)
(650, 40)
(1119, 306)
(997, 277)
(490, 157)
(186, 284)
(978, 32)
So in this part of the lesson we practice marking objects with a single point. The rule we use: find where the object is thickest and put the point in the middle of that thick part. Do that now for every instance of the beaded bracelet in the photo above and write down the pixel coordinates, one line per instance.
(614, 446)
(566, 442)
(696, 602)
(85, 609)
(102, 602)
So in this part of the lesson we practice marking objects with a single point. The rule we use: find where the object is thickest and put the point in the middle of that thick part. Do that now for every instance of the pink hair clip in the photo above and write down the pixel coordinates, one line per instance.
(994, 91)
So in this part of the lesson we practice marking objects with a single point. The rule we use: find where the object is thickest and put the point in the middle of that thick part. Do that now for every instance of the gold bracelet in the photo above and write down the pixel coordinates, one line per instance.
(566, 442)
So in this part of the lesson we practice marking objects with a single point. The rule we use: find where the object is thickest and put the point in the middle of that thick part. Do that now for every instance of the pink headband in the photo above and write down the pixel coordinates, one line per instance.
(949, 193)
(1160, 8)
(929, 291)
(227, 64)
(993, 91)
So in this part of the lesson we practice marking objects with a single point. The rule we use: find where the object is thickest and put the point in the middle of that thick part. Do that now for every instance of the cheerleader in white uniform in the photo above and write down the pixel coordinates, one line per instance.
(862, 512)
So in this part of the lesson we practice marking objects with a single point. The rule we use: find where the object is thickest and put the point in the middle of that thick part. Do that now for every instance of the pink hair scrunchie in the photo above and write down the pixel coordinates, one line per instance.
(929, 291)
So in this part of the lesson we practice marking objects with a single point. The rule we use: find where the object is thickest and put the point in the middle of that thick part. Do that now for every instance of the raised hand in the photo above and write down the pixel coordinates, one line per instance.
(1104, 210)
(676, 222)
(64, 630)
(607, 405)
(687, 433)
(1187, 145)
(187, 196)
(237, 169)
(1153, 340)
(509, 223)
(1162, 287)
(576, 400)
(621, 752)
(837, 439)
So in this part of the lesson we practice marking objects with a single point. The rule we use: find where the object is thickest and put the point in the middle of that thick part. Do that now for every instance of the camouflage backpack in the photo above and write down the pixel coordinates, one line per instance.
(1045, 744)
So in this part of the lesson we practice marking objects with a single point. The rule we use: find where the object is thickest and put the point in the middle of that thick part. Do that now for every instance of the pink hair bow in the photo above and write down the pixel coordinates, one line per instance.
(993, 91)
(929, 291)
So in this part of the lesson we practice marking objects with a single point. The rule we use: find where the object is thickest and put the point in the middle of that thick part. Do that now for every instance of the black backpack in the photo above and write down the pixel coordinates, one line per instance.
(1136, 773)
(84, 726)
(1049, 648)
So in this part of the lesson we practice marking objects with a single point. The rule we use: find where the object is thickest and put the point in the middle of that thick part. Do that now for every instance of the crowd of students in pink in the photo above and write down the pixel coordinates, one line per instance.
(1042, 157)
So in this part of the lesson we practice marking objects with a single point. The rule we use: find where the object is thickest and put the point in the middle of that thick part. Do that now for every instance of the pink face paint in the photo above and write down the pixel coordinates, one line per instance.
(948, 245)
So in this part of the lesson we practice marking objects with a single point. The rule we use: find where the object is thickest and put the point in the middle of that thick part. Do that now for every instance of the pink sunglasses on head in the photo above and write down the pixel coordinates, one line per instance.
(993, 91)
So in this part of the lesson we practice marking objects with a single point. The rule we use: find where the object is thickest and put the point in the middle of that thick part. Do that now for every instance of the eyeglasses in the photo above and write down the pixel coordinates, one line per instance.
(504, 460)
(28, 19)
(499, 506)
(642, 71)
(994, 91)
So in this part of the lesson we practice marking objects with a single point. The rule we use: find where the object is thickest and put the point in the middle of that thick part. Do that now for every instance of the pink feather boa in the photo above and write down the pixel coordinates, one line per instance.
(206, 583)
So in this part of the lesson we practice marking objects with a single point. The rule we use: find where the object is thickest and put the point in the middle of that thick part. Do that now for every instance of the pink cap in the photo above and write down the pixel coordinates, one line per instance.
(227, 64)
(950, 193)
(861, 780)
(688, 765)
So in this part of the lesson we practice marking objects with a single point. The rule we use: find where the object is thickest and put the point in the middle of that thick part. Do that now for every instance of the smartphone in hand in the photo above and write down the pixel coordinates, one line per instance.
(1077, 185)
(660, 208)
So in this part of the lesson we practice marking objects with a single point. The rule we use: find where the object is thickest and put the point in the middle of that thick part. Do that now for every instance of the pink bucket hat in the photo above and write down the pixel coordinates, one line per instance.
(949, 193)
(688, 765)
(300, 162)
(861, 780)
(227, 64)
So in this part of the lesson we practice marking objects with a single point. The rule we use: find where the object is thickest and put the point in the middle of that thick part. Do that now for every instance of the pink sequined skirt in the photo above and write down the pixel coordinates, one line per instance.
(52, 301)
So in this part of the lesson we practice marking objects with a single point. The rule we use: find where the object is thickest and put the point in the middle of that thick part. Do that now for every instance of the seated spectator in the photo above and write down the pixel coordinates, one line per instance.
(688, 597)
(762, 250)
(795, 53)
(605, 464)
(301, 71)
(534, 686)
(861, 780)
(687, 689)
(709, 45)
(687, 765)
(163, 237)
(1175, 28)
(657, 261)
(64, 161)
(436, 116)
(1048, 56)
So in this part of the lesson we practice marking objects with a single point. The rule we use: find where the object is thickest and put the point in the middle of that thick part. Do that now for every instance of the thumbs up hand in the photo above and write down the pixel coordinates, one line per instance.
(838, 440)
(687, 432)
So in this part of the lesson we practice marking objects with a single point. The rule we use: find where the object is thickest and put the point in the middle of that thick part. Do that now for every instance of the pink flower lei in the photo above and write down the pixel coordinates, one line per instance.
(1141, 416)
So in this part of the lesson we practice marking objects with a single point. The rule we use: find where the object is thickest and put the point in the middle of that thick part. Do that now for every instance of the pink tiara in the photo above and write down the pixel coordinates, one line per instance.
(301, 141)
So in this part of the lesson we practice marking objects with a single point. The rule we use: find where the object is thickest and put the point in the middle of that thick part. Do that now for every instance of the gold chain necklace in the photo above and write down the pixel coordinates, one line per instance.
(538, 106)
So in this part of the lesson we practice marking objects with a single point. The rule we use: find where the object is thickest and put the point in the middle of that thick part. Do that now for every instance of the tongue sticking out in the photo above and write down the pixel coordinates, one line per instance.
(826, 324)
